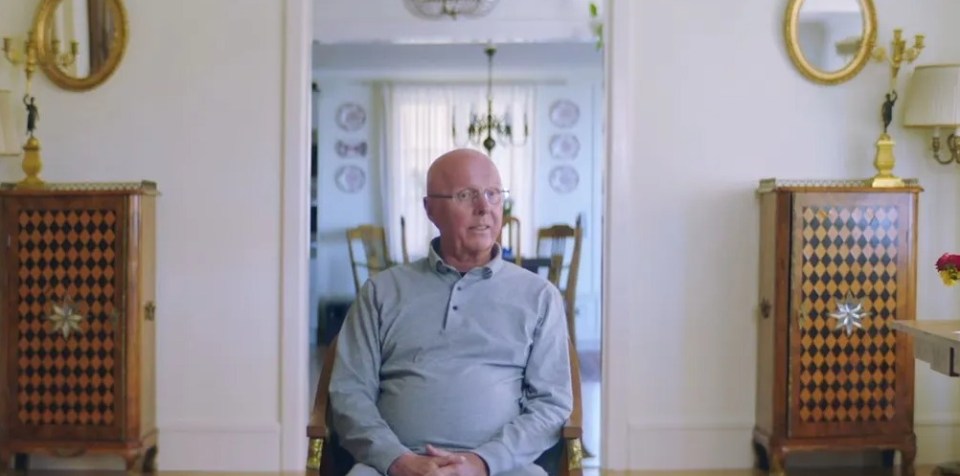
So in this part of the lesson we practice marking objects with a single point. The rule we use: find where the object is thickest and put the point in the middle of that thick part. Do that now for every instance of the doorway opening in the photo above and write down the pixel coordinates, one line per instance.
(375, 101)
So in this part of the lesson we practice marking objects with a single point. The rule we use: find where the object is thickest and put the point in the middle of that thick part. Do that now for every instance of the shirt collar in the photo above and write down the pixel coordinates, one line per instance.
(486, 271)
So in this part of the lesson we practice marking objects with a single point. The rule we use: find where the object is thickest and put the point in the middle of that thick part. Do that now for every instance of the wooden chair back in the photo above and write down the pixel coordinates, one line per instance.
(555, 242)
(373, 258)
(403, 239)
(511, 230)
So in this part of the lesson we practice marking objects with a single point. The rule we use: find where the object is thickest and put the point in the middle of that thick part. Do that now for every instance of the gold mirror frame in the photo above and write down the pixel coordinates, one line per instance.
(42, 27)
(869, 15)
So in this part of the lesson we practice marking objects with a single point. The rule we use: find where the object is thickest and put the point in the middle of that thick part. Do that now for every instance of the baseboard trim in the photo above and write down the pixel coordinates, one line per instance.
(937, 419)
(724, 443)
(667, 424)
(681, 445)
(212, 446)
(194, 446)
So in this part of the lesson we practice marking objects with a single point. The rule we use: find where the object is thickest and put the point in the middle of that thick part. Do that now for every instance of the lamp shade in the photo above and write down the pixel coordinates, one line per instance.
(933, 97)
(8, 129)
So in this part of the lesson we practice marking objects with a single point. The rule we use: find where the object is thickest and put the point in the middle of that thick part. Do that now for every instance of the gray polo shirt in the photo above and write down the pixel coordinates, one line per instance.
(476, 362)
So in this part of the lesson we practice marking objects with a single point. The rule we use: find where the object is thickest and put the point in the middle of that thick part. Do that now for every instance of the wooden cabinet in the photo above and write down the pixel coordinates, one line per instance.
(77, 322)
(837, 266)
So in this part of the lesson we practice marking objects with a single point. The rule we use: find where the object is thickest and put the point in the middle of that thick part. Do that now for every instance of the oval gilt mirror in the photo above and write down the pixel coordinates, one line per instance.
(80, 42)
(830, 41)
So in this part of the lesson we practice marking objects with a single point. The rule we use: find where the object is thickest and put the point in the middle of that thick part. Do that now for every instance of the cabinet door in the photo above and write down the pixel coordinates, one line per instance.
(858, 244)
(63, 291)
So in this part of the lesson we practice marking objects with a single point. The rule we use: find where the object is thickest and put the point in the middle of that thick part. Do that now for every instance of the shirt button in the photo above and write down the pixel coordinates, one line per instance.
(456, 307)
(459, 288)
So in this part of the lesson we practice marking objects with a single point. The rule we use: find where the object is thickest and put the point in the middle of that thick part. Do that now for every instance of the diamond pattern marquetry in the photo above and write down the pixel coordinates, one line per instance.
(848, 378)
(67, 380)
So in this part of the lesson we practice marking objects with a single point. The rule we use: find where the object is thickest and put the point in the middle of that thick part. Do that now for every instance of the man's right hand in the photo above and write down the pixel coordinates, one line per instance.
(412, 464)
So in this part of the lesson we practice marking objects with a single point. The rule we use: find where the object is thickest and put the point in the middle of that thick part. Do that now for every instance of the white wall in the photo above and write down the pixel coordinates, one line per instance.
(196, 106)
(705, 102)
(557, 205)
(709, 103)
(511, 20)
(331, 277)
(340, 209)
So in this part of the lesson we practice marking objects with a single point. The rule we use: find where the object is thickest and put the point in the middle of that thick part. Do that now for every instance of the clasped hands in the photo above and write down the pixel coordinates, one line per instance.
(437, 462)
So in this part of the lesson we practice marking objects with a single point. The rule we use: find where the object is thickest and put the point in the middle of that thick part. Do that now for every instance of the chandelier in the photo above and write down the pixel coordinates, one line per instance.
(482, 127)
(434, 9)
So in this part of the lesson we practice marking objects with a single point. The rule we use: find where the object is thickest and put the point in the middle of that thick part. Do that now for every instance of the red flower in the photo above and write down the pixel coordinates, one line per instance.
(948, 262)
(948, 267)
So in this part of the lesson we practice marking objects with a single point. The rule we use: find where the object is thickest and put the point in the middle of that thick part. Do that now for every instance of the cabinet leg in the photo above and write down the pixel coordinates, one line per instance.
(887, 458)
(150, 460)
(777, 461)
(908, 457)
(133, 459)
(143, 460)
(760, 457)
(21, 462)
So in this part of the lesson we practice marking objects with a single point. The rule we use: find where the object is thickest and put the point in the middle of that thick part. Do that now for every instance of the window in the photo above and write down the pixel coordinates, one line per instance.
(418, 129)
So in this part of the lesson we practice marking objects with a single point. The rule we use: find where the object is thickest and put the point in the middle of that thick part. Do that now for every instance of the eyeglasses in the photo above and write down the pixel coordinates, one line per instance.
(469, 196)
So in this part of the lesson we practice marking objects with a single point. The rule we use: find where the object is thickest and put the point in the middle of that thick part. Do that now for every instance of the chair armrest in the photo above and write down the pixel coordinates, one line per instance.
(573, 428)
(571, 432)
(317, 430)
(317, 427)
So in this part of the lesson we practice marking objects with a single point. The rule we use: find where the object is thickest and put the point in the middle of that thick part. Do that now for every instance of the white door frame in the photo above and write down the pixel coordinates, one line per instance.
(294, 277)
(294, 234)
(618, 305)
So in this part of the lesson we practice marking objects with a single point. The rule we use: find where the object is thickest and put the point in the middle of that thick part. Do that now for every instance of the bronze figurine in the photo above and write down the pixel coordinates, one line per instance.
(33, 113)
(887, 110)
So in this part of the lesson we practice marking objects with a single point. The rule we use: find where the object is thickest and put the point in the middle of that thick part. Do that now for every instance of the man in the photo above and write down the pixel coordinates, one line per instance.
(456, 364)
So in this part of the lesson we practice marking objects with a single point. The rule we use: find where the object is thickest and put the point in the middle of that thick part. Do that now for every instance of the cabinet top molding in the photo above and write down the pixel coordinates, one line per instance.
(145, 187)
(774, 184)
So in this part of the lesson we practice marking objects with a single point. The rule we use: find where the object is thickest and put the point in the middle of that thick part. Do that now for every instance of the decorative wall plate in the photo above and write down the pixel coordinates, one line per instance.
(564, 146)
(564, 179)
(355, 149)
(351, 116)
(564, 113)
(350, 178)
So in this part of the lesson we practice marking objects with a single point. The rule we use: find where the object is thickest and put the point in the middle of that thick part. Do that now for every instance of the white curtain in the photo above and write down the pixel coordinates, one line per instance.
(418, 128)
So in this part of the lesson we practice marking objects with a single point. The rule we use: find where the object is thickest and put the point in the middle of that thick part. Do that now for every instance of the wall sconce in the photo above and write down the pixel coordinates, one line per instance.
(847, 48)
(933, 101)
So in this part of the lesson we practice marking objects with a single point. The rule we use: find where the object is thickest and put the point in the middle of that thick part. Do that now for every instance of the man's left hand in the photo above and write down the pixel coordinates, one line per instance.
(470, 465)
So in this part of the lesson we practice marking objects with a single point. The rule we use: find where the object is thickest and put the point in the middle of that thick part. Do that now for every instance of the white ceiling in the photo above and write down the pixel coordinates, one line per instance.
(512, 56)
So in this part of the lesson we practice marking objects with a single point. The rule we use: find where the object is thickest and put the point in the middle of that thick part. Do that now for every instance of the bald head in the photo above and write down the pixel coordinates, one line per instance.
(451, 167)
(468, 229)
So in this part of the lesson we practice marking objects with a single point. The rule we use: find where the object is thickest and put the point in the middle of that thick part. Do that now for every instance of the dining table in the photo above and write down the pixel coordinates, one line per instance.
(532, 263)
(936, 342)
